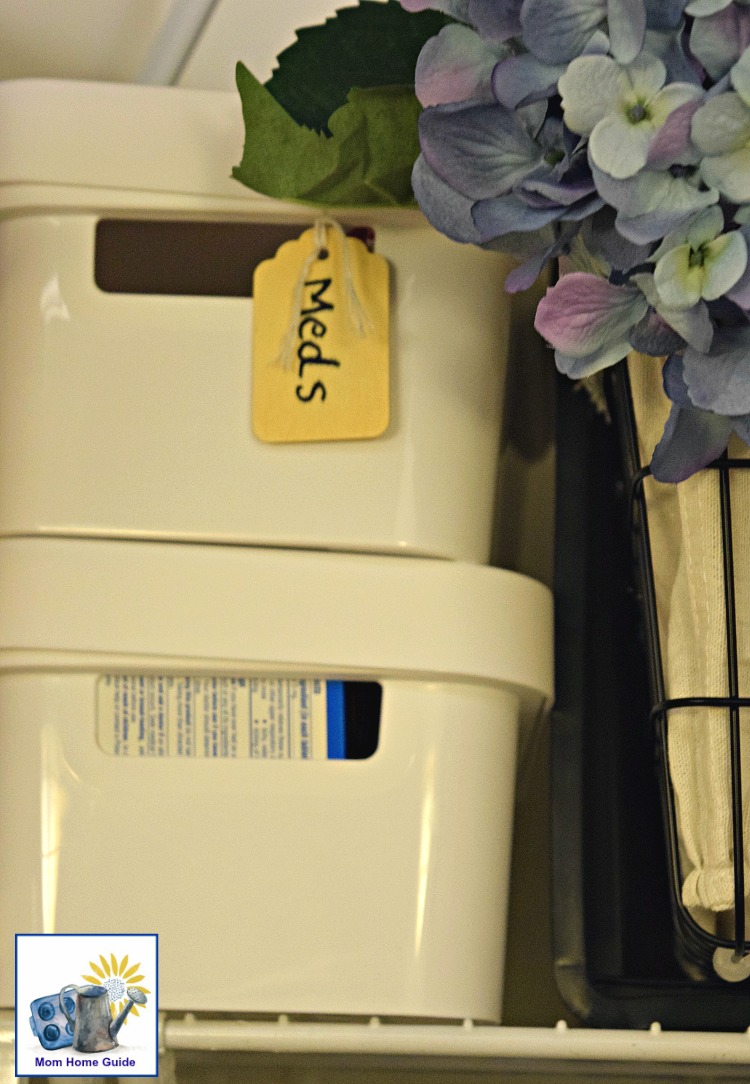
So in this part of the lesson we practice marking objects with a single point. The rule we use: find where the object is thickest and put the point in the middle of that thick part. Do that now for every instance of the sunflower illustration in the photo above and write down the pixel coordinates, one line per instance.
(116, 978)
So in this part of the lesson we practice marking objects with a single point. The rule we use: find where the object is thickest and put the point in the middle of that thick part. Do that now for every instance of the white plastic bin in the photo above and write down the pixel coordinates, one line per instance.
(127, 414)
(374, 886)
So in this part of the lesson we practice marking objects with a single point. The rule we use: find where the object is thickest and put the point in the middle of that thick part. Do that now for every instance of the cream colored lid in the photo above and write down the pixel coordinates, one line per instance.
(278, 610)
(157, 147)
(123, 136)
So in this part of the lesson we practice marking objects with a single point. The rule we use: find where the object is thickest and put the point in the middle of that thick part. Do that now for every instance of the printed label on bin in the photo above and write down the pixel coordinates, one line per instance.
(146, 715)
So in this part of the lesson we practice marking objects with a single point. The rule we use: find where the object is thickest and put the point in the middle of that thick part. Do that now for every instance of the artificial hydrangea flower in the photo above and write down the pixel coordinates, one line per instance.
(692, 437)
(654, 202)
(706, 7)
(669, 46)
(667, 191)
(520, 79)
(691, 325)
(588, 321)
(558, 32)
(589, 130)
(719, 379)
(458, 63)
(665, 14)
(620, 108)
(559, 187)
(720, 33)
(739, 294)
(457, 9)
(721, 131)
(487, 173)
(480, 150)
(699, 261)
(496, 20)
(455, 65)
(448, 210)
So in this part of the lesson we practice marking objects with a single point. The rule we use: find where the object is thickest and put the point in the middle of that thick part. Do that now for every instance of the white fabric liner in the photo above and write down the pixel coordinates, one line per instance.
(685, 529)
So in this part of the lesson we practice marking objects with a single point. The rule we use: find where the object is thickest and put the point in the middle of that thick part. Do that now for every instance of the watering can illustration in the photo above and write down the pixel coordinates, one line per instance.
(93, 1026)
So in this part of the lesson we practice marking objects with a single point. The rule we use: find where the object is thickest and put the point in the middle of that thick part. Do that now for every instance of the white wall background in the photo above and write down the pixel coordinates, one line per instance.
(111, 39)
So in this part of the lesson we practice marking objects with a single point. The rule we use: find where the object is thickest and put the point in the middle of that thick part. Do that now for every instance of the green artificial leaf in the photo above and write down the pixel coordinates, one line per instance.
(371, 45)
(367, 159)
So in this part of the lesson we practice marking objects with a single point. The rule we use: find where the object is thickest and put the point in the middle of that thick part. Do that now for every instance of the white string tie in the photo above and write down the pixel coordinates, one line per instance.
(357, 313)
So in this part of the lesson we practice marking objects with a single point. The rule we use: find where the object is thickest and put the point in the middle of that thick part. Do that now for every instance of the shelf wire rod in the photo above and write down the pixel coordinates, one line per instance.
(734, 712)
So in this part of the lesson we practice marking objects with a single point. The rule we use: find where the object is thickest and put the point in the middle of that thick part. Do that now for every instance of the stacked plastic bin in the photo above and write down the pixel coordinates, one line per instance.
(180, 599)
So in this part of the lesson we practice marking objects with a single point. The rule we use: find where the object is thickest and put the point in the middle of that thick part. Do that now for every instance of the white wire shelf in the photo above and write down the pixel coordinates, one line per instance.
(463, 1046)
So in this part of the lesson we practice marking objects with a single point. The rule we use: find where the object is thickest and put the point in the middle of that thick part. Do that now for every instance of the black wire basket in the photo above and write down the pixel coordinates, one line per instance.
(626, 952)
(700, 952)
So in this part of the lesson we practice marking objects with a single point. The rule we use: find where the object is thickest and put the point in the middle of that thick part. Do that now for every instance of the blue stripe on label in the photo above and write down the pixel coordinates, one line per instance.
(336, 728)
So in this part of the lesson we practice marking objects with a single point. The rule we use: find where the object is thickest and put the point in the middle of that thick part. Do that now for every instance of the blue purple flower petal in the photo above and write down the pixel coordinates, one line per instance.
(588, 321)
(719, 379)
(447, 210)
(517, 80)
(457, 9)
(719, 40)
(454, 65)
(480, 150)
(664, 14)
(496, 20)
(691, 440)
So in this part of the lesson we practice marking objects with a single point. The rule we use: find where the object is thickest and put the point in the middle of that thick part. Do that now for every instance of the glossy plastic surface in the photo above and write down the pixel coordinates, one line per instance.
(281, 610)
(128, 415)
(372, 886)
(337, 887)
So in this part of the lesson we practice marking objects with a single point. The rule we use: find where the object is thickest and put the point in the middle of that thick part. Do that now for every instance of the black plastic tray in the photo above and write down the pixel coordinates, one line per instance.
(615, 962)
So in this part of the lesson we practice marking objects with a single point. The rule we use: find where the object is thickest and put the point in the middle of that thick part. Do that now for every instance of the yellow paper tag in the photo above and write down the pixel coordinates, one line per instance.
(320, 341)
